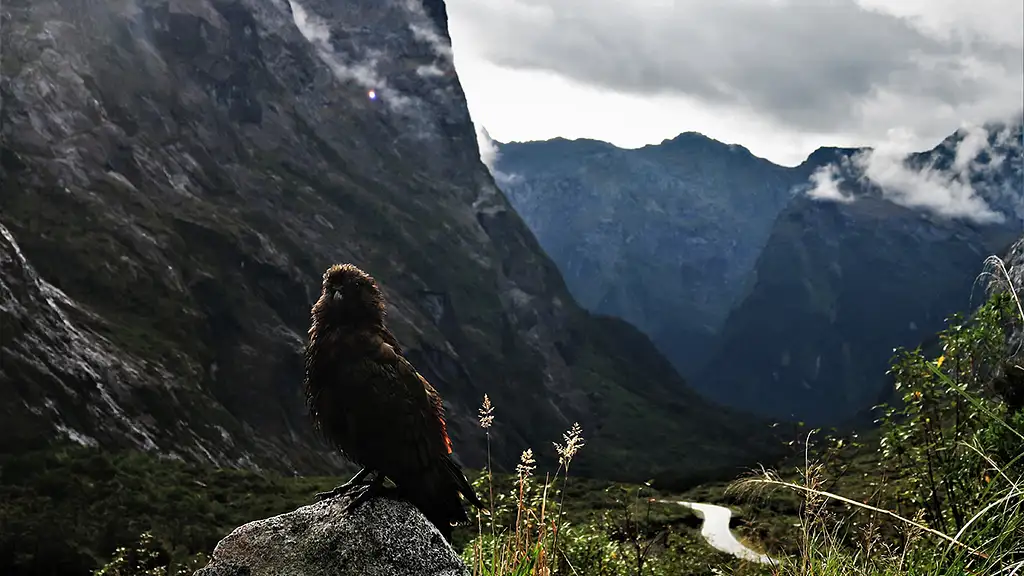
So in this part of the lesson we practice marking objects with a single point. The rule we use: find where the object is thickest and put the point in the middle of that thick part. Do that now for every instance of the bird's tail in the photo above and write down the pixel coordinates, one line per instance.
(437, 496)
(465, 488)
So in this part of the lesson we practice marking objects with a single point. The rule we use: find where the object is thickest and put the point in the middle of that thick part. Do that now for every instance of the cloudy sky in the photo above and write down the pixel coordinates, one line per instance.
(780, 77)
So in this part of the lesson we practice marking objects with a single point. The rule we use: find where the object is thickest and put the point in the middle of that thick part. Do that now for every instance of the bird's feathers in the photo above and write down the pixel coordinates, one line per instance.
(408, 373)
(370, 402)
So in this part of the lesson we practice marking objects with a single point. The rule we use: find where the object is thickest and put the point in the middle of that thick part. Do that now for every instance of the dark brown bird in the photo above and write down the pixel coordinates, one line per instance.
(374, 407)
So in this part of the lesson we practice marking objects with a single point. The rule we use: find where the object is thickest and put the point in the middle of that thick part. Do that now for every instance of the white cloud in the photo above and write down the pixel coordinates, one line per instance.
(539, 105)
(489, 156)
(364, 73)
(825, 183)
(995, 20)
(488, 150)
(312, 28)
(945, 192)
(974, 142)
(780, 77)
(428, 71)
(424, 30)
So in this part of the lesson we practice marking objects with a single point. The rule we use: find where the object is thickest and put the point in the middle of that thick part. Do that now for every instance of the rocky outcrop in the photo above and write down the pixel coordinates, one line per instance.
(1013, 263)
(1009, 382)
(181, 172)
(1010, 275)
(382, 537)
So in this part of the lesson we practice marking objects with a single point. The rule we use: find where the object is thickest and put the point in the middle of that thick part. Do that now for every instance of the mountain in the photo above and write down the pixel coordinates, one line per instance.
(837, 289)
(662, 236)
(840, 285)
(781, 291)
(177, 174)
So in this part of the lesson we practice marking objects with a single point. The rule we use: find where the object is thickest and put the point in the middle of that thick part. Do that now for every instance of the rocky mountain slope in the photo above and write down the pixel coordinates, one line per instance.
(176, 175)
(840, 285)
(766, 298)
(663, 236)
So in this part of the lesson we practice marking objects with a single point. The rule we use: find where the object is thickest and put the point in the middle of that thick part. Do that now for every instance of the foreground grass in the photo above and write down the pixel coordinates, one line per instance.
(553, 523)
(942, 491)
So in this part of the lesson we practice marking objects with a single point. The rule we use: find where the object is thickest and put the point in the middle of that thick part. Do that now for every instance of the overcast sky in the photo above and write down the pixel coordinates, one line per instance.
(780, 77)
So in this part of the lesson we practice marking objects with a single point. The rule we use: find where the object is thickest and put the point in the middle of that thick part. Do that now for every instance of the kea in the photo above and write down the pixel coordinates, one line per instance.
(371, 404)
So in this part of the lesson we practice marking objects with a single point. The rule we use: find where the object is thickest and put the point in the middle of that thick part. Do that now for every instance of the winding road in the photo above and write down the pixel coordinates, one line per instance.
(715, 530)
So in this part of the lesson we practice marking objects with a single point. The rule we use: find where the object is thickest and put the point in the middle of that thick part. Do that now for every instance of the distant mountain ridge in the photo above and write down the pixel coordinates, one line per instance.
(778, 290)
(627, 227)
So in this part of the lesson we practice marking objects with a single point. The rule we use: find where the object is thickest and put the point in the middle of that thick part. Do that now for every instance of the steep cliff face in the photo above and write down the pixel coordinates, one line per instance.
(176, 175)
(663, 236)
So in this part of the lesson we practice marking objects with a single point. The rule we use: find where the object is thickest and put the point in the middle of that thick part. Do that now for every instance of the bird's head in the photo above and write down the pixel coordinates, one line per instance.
(351, 294)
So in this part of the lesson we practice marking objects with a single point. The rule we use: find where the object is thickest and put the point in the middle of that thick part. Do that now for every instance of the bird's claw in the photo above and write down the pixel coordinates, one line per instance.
(339, 491)
(358, 480)
(364, 493)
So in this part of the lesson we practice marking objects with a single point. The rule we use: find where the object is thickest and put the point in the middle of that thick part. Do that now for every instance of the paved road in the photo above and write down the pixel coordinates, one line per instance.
(716, 531)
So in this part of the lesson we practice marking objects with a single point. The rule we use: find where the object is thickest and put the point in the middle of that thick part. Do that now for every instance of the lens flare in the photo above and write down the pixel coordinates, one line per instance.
(372, 94)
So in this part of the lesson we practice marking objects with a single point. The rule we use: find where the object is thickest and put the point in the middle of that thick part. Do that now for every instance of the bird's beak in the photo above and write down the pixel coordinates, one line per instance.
(336, 296)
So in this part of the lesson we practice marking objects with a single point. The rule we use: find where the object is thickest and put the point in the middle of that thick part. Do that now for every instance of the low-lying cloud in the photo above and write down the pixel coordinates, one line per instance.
(825, 183)
(946, 193)
(488, 149)
(318, 33)
(423, 29)
(949, 192)
(489, 154)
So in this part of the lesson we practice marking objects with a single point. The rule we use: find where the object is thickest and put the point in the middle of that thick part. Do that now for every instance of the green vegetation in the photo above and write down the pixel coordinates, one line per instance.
(564, 525)
(65, 511)
(74, 510)
(935, 490)
(147, 558)
(943, 494)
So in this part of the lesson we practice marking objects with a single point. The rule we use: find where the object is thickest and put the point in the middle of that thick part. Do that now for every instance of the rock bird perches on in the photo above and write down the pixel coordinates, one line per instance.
(373, 406)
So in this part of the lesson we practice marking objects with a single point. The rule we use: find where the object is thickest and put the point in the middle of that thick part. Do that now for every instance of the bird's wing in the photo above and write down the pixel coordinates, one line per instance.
(390, 340)
(419, 388)
(438, 406)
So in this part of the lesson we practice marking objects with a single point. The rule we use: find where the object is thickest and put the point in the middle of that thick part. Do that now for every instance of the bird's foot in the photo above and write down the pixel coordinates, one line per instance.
(358, 480)
(339, 491)
(364, 493)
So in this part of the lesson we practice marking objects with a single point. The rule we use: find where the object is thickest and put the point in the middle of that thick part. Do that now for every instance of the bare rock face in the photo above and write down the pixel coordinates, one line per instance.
(382, 537)
(59, 374)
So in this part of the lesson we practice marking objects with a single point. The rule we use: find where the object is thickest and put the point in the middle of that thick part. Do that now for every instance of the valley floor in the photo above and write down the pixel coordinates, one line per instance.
(67, 510)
